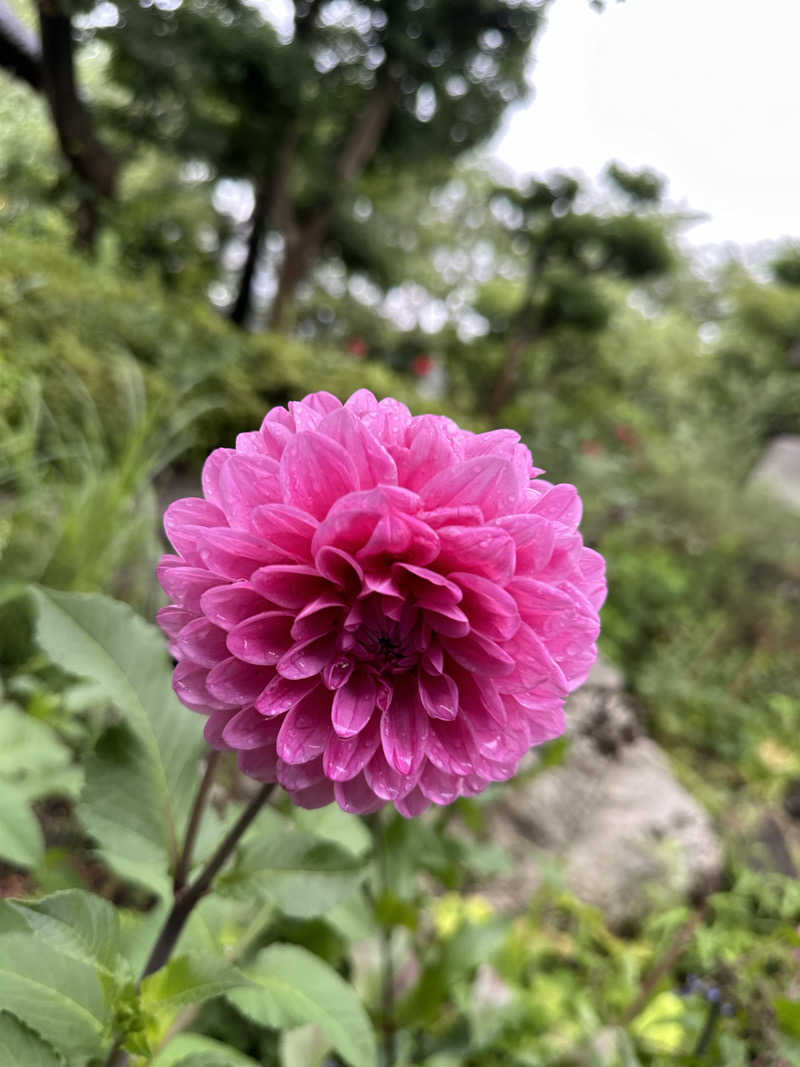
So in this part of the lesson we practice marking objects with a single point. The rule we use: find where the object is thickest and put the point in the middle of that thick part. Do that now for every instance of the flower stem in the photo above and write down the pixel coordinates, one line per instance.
(388, 1024)
(185, 859)
(189, 896)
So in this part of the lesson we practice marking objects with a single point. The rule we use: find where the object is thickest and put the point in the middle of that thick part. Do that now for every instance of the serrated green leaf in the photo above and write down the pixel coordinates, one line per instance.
(75, 923)
(303, 875)
(20, 1047)
(189, 979)
(21, 841)
(61, 999)
(295, 987)
(98, 638)
(195, 1050)
(119, 807)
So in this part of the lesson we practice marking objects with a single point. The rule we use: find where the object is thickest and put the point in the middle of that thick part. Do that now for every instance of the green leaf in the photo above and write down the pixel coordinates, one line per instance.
(303, 875)
(660, 1026)
(189, 979)
(294, 988)
(788, 1015)
(98, 638)
(195, 1050)
(335, 825)
(119, 808)
(19, 1047)
(31, 756)
(61, 999)
(21, 841)
(75, 923)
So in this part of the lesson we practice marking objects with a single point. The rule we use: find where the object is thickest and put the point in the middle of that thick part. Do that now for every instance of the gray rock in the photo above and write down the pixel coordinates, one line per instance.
(778, 470)
(629, 836)
(604, 675)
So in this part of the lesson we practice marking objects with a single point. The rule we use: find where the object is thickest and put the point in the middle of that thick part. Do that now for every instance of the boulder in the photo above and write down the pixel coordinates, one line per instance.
(629, 836)
(778, 470)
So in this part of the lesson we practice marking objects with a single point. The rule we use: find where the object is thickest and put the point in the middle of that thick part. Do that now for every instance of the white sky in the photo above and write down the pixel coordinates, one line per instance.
(707, 92)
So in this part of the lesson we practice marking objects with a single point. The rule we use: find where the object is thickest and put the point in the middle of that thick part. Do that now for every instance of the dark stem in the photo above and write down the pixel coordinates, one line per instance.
(188, 897)
(387, 965)
(704, 1041)
(185, 859)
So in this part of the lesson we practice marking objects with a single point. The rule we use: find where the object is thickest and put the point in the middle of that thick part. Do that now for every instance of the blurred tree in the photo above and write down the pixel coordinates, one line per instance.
(349, 89)
(568, 250)
(47, 65)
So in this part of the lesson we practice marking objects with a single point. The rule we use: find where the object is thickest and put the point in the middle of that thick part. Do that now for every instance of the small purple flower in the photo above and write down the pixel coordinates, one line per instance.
(372, 607)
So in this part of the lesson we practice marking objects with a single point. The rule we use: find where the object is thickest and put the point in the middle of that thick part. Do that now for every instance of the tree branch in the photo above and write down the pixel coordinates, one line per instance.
(89, 157)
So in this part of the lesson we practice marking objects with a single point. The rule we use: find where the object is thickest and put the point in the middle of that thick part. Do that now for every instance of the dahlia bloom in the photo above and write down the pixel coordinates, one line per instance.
(376, 608)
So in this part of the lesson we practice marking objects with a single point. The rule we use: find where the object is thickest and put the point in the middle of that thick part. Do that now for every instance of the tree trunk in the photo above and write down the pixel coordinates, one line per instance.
(304, 242)
(240, 312)
(87, 155)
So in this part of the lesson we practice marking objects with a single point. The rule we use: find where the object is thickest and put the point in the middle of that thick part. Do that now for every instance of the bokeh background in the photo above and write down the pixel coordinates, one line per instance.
(579, 220)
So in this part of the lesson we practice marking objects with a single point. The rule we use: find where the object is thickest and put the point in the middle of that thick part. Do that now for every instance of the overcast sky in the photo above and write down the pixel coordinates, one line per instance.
(704, 91)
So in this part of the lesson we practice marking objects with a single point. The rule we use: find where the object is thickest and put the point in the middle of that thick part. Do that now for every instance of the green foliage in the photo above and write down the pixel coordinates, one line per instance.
(291, 987)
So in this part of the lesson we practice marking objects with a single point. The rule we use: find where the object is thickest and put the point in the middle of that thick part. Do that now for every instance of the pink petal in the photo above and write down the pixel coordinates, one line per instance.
(235, 682)
(339, 567)
(479, 653)
(412, 805)
(490, 609)
(385, 781)
(228, 605)
(354, 703)
(426, 586)
(345, 757)
(184, 585)
(262, 639)
(438, 695)
(362, 402)
(539, 598)
(281, 694)
(484, 550)
(374, 466)
(289, 586)
(398, 536)
(315, 472)
(534, 538)
(247, 729)
(215, 726)
(430, 450)
(300, 775)
(315, 796)
(437, 785)
(322, 620)
(259, 763)
(451, 748)
(190, 684)
(449, 621)
(212, 470)
(488, 481)
(172, 619)
(308, 658)
(180, 519)
(202, 642)
(357, 797)
(245, 483)
(235, 554)
(286, 527)
(305, 731)
(562, 504)
(404, 731)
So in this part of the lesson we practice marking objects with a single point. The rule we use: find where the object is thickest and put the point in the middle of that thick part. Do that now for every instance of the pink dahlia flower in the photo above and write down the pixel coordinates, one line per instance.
(376, 608)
